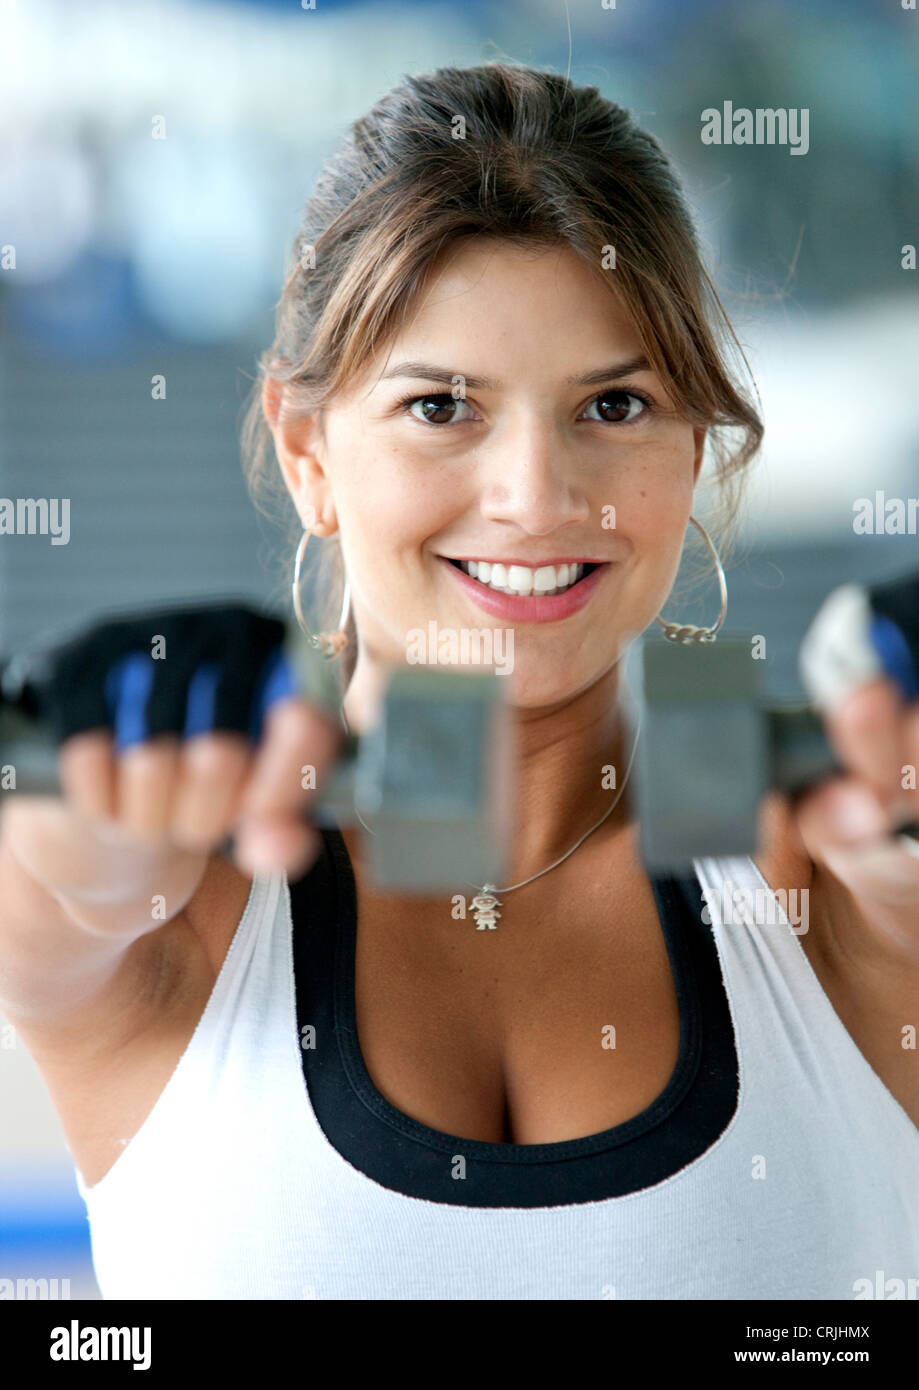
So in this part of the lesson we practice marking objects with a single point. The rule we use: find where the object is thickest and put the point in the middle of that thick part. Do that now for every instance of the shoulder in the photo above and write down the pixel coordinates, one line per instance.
(216, 908)
(782, 858)
(870, 992)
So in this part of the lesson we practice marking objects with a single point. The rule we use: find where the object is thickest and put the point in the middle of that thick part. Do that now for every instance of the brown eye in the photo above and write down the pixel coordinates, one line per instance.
(437, 410)
(619, 407)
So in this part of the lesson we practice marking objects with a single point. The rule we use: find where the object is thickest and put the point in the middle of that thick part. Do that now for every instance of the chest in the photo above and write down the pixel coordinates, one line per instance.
(561, 1022)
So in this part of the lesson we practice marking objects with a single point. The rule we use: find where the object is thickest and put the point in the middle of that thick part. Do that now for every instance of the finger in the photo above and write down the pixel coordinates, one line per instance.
(211, 774)
(146, 775)
(908, 796)
(841, 813)
(299, 743)
(845, 826)
(868, 733)
(86, 767)
(261, 846)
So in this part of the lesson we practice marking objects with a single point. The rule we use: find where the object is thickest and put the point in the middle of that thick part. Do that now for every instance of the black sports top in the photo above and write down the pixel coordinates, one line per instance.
(406, 1156)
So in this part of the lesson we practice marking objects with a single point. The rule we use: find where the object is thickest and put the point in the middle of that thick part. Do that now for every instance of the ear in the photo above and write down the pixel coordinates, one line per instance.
(699, 436)
(300, 449)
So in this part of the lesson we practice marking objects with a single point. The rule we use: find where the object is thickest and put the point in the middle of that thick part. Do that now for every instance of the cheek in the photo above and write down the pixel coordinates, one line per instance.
(658, 519)
(390, 512)
(397, 501)
(654, 503)
(657, 492)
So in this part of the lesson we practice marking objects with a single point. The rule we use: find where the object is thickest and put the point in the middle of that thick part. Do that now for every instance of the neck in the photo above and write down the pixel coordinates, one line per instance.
(563, 749)
(566, 753)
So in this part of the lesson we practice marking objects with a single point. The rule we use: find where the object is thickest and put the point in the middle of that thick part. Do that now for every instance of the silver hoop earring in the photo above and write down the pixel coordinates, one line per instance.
(688, 633)
(331, 644)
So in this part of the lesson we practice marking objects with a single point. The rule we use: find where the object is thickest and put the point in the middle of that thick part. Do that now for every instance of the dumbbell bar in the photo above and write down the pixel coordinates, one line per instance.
(431, 781)
(710, 748)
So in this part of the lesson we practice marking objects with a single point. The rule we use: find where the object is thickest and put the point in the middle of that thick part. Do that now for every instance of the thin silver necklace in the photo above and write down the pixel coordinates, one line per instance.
(486, 903)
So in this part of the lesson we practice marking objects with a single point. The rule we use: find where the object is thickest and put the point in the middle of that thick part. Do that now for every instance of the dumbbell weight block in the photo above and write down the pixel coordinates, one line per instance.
(701, 763)
(432, 782)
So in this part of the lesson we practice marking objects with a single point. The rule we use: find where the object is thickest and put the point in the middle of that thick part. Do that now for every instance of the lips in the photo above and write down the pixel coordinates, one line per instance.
(533, 607)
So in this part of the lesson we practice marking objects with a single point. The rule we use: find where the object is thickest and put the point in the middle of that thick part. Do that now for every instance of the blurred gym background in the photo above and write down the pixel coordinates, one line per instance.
(137, 257)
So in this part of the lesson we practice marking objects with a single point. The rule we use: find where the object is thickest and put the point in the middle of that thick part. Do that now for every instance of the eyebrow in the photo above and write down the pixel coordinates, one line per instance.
(427, 372)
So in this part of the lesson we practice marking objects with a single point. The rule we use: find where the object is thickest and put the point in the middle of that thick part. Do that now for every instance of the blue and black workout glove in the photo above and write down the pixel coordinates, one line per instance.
(181, 671)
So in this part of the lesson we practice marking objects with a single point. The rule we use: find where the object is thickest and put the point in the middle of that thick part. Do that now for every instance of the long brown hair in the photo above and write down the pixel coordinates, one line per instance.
(509, 152)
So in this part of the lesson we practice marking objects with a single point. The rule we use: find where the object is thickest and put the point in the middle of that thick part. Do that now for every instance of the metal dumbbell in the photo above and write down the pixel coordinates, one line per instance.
(432, 781)
(710, 748)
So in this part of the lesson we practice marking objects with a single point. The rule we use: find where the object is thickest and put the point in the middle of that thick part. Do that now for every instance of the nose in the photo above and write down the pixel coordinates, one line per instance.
(532, 480)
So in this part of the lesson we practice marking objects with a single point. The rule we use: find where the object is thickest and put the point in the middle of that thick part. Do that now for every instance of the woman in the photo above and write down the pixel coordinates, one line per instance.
(496, 370)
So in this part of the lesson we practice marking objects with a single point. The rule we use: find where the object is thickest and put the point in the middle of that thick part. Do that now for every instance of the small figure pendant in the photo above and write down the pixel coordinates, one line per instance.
(485, 908)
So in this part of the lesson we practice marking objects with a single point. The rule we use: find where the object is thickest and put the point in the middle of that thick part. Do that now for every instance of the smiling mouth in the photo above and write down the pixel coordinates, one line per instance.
(545, 581)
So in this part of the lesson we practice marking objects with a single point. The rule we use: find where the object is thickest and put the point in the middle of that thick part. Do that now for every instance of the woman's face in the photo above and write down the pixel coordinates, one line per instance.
(538, 441)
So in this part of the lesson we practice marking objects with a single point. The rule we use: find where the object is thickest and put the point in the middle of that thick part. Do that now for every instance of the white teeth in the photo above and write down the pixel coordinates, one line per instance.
(521, 580)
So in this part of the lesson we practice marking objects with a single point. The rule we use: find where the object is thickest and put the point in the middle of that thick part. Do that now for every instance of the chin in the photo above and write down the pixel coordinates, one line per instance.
(542, 685)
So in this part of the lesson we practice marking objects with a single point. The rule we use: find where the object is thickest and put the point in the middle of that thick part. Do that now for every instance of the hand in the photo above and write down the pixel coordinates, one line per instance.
(151, 809)
(846, 823)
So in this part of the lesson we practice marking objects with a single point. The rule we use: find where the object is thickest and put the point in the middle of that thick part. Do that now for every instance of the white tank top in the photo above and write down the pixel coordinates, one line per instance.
(230, 1189)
